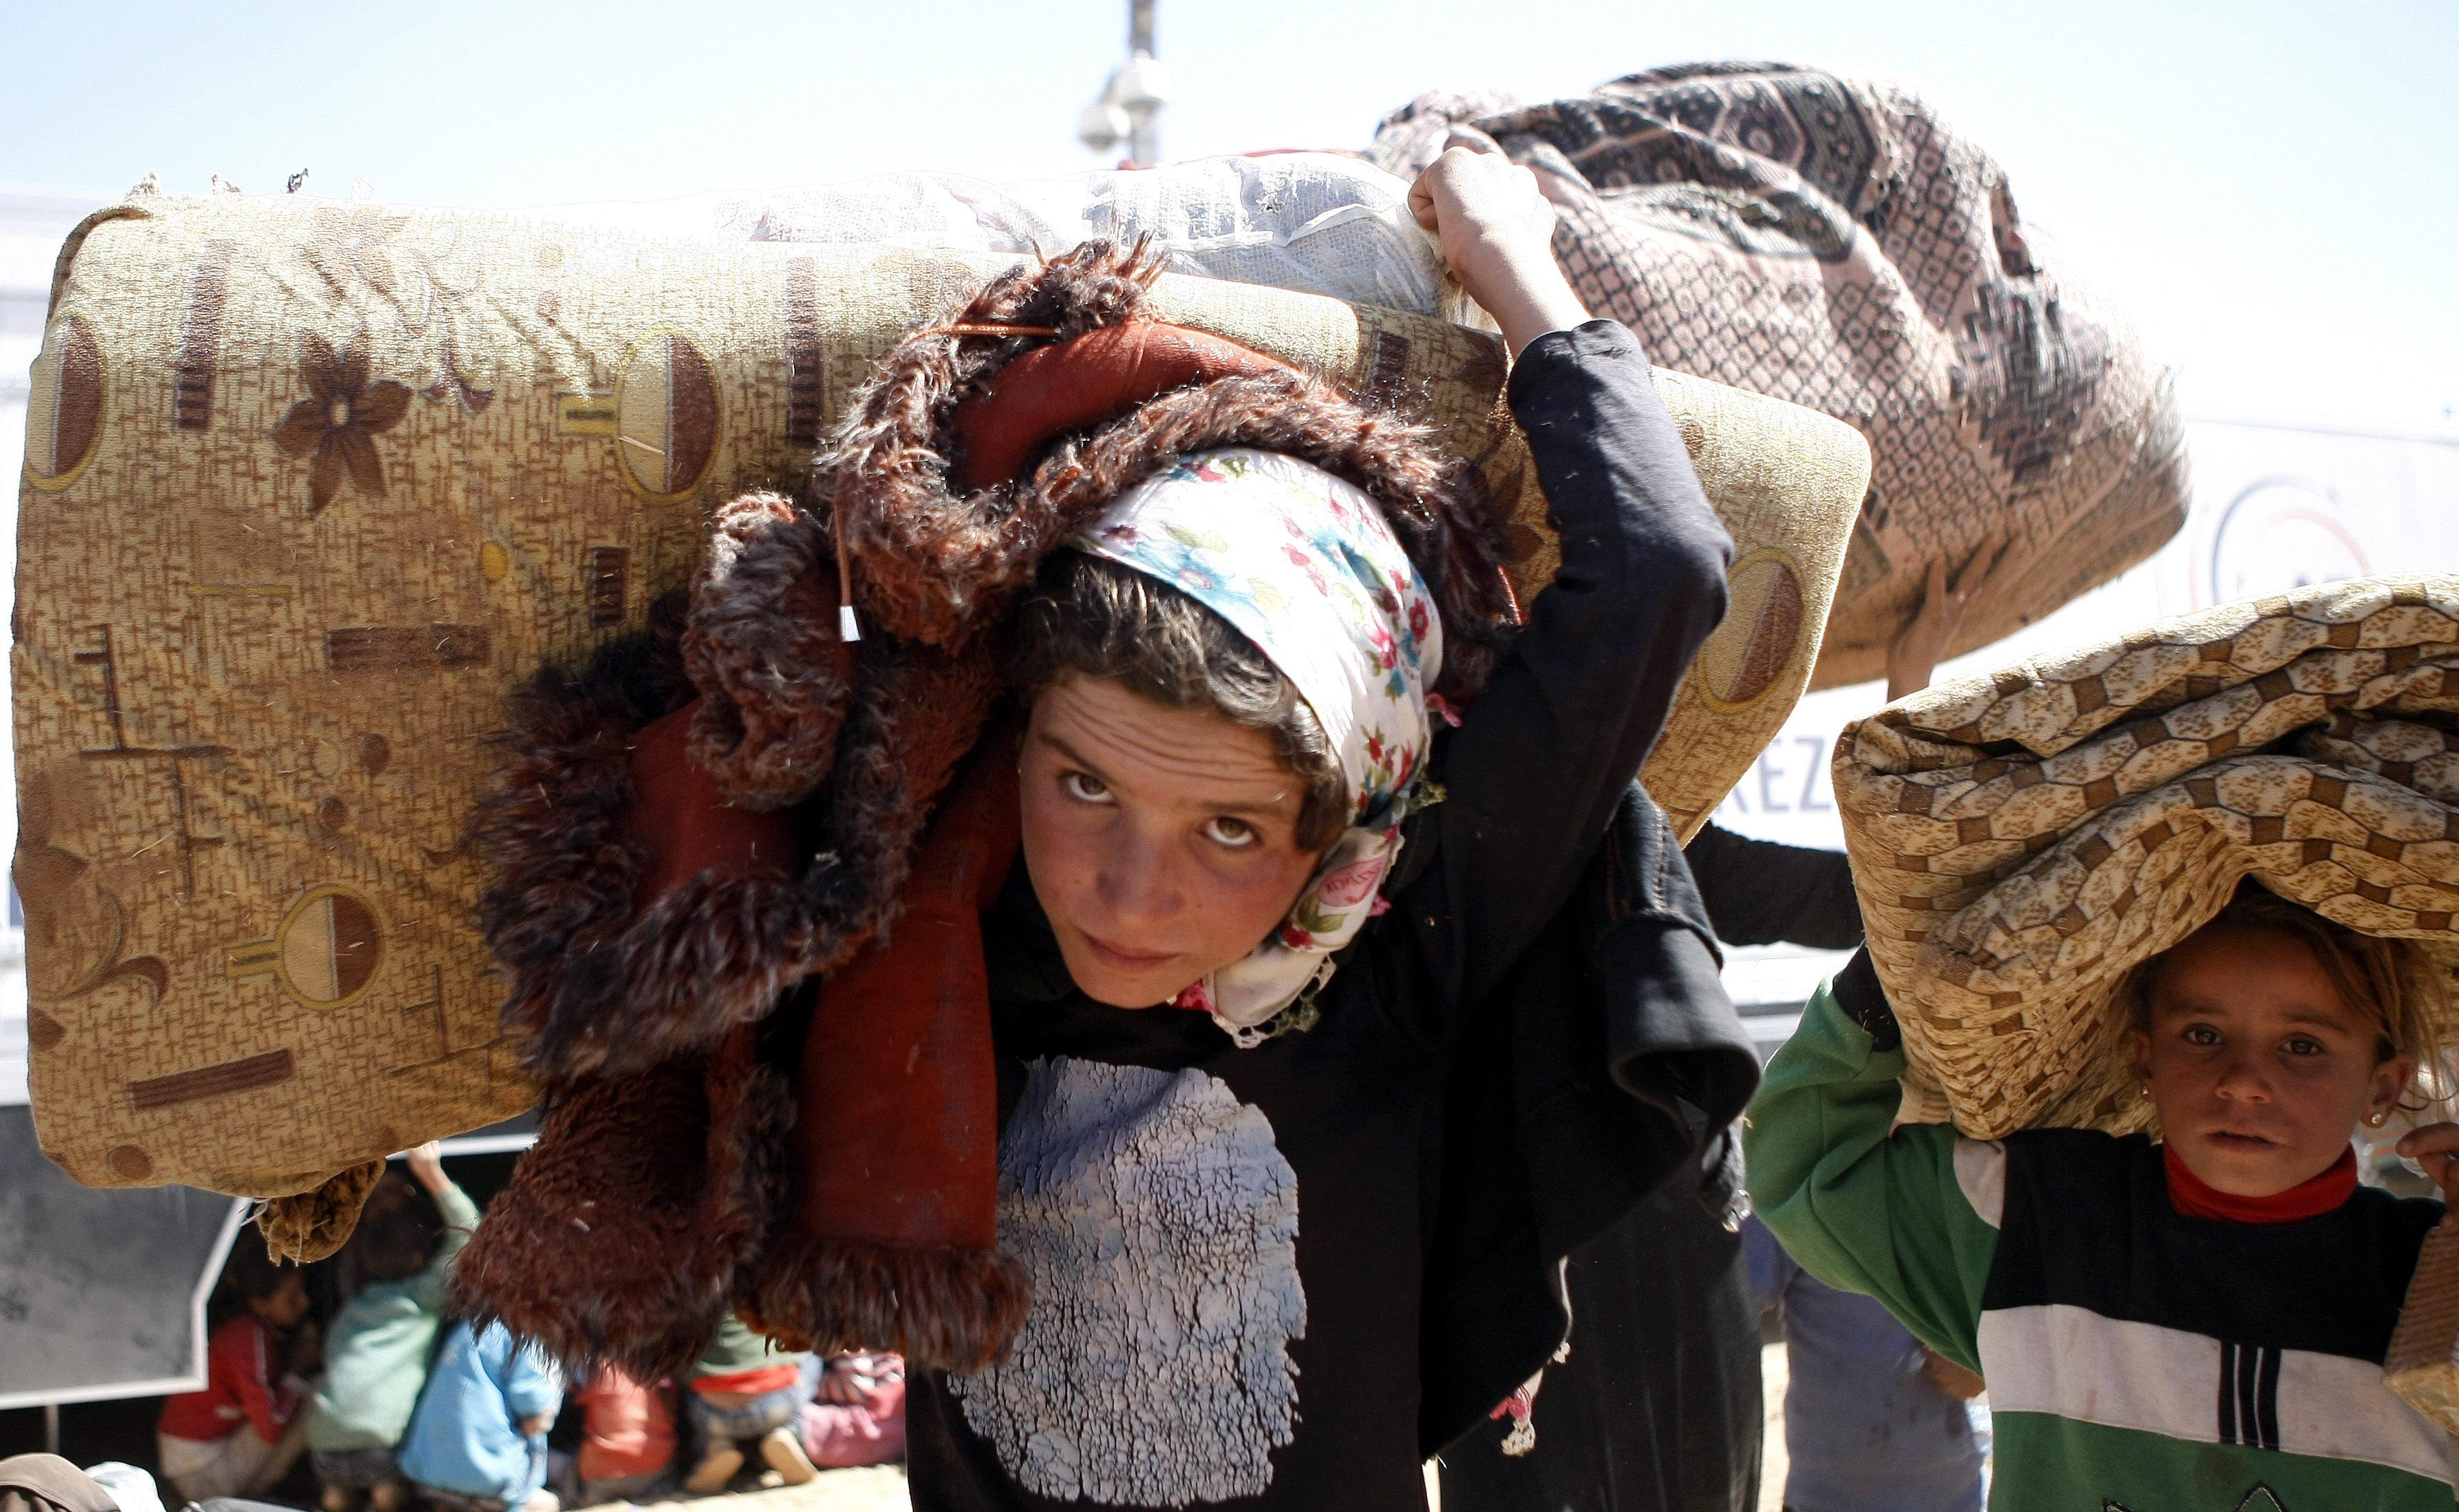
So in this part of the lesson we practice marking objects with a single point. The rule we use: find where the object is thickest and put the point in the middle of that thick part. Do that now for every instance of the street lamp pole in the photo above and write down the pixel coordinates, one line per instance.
(1128, 112)
(1144, 143)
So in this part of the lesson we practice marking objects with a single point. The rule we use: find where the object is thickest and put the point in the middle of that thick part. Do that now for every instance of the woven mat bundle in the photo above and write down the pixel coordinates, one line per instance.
(2020, 841)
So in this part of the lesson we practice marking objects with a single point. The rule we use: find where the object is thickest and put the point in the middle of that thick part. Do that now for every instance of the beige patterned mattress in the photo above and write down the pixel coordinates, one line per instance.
(311, 486)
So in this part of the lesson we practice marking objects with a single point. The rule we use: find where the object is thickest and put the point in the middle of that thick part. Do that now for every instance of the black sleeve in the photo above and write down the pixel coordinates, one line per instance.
(1865, 1002)
(1758, 892)
(1532, 775)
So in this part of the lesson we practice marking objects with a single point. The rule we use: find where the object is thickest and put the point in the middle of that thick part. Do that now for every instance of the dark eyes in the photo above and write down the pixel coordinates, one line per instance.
(1237, 834)
(1231, 834)
(1084, 787)
(2205, 1036)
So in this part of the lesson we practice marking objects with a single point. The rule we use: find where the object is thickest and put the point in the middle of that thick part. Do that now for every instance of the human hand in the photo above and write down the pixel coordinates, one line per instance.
(1497, 231)
(535, 1424)
(1921, 644)
(2435, 1146)
(1950, 1377)
(848, 1380)
(840, 1385)
(426, 1166)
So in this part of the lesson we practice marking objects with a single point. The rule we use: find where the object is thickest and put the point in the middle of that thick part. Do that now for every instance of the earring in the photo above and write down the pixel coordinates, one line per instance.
(2375, 1120)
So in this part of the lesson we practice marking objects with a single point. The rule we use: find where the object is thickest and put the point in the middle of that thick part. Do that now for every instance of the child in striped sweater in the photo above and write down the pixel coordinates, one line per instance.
(2193, 1325)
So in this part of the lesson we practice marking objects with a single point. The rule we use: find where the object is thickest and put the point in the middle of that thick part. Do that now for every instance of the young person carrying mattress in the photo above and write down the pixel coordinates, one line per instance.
(2193, 1323)
(1286, 960)
(1229, 681)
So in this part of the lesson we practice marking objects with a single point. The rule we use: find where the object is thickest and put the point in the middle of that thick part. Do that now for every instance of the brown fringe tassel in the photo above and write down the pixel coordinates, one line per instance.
(941, 1308)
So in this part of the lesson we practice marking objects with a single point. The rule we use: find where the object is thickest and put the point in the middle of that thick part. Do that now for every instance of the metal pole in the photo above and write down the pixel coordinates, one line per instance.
(1144, 141)
(50, 1427)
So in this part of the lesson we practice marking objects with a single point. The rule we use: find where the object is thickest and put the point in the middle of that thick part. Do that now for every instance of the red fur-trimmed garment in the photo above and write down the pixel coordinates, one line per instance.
(630, 969)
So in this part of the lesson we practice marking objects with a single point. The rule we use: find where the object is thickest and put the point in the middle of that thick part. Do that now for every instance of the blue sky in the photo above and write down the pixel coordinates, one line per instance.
(2269, 188)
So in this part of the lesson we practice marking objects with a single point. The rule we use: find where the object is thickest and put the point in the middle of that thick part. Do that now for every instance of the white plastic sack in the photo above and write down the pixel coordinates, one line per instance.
(1321, 222)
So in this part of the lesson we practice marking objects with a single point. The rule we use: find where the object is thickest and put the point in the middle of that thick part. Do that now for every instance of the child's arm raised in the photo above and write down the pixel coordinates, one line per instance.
(1908, 1217)
(1498, 234)
(461, 1216)
(1533, 775)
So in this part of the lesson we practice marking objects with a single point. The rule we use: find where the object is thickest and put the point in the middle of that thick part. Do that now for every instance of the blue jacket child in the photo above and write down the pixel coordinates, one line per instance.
(479, 1434)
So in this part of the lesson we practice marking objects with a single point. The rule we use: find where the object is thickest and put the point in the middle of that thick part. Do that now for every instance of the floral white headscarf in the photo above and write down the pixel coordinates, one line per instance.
(1302, 564)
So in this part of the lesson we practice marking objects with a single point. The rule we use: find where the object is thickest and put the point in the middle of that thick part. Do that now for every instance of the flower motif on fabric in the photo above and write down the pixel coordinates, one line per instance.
(362, 247)
(336, 425)
(343, 244)
(1158, 1220)
(1329, 907)
(1386, 773)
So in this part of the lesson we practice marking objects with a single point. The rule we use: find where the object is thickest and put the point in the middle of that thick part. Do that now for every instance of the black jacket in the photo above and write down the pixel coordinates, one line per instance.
(1760, 892)
(1532, 1040)
(1610, 1064)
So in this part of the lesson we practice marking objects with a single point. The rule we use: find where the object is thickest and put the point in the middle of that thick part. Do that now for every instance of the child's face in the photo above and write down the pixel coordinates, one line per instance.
(1162, 842)
(287, 1304)
(2260, 1069)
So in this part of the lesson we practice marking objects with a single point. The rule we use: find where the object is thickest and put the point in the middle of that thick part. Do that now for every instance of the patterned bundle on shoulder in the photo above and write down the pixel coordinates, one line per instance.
(1835, 243)
(2022, 841)
(309, 487)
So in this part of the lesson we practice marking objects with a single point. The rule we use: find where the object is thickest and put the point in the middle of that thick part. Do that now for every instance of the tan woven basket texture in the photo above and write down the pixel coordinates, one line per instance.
(311, 486)
(2022, 840)
(2423, 1363)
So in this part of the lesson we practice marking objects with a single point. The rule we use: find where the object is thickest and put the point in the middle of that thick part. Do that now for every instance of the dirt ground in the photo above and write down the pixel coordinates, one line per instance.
(880, 1488)
(1772, 1459)
(883, 1490)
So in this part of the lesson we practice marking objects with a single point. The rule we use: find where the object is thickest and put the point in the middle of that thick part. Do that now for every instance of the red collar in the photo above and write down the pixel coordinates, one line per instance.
(2190, 1195)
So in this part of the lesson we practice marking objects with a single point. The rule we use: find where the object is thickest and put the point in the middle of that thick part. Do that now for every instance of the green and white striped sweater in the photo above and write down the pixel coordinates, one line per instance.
(2138, 1359)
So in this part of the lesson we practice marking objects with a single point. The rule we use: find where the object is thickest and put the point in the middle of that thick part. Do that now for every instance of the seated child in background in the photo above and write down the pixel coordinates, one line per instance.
(627, 1442)
(242, 1432)
(376, 1359)
(477, 1441)
(2194, 1324)
(857, 1411)
(747, 1390)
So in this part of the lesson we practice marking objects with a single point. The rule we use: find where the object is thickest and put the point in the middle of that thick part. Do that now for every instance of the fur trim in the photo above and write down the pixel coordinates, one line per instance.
(602, 986)
(594, 1251)
(761, 648)
(941, 568)
(867, 735)
(937, 568)
(1438, 508)
(942, 1309)
(550, 832)
(624, 1230)
(599, 986)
